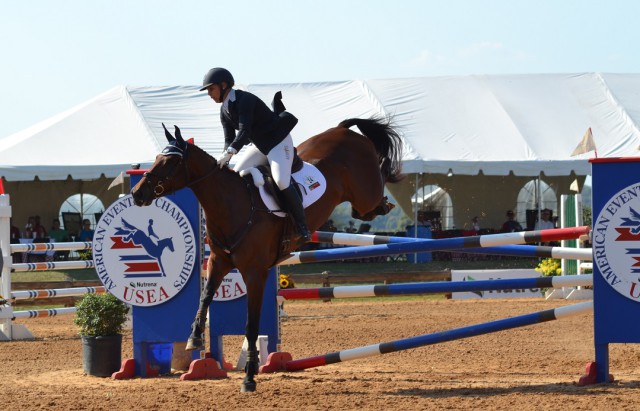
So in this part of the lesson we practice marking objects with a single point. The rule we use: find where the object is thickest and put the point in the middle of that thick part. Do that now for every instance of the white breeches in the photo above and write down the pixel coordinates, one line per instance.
(280, 159)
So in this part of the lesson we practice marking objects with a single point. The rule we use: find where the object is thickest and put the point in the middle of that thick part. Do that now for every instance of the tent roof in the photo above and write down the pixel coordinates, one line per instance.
(525, 124)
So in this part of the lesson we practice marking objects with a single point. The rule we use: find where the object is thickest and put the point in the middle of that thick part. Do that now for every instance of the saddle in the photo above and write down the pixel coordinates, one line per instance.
(308, 182)
(269, 184)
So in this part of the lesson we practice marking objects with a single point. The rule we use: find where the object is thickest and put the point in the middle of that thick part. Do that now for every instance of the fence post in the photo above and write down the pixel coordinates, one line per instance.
(8, 331)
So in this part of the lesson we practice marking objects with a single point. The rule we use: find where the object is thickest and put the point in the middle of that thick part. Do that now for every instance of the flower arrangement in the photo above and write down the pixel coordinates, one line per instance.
(549, 266)
(286, 281)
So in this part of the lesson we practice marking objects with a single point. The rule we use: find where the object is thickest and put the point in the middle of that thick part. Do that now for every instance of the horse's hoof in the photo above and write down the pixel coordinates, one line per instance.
(248, 387)
(194, 344)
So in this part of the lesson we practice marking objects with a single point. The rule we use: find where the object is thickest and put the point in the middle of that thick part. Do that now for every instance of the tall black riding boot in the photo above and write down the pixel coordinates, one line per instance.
(294, 207)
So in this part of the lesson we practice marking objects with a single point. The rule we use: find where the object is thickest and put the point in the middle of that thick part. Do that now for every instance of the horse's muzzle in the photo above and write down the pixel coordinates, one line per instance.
(140, 198)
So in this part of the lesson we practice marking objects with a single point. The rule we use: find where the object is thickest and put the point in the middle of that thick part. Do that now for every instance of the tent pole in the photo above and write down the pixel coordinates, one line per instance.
(81, 202)
(539, 195)
(415, 209)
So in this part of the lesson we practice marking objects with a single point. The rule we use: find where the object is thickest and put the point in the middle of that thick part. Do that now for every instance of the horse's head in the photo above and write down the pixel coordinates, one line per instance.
(168, 173)
(169, 242)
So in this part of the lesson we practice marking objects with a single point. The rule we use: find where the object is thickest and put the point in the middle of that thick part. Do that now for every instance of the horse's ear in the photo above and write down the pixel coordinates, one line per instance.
(179, 135)
(167, 134)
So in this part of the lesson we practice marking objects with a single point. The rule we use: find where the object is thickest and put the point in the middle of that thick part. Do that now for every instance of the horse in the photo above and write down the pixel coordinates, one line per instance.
(242, 233)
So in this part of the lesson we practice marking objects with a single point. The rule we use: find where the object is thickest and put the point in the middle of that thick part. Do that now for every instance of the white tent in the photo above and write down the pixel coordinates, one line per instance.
(497, 124)
(522, 125)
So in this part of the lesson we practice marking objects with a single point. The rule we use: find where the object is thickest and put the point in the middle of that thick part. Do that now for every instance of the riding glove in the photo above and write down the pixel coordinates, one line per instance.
(226, 156)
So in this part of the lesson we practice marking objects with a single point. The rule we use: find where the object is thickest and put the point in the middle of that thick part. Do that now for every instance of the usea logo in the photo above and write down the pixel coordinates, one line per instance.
(144, 255)
(616, 242)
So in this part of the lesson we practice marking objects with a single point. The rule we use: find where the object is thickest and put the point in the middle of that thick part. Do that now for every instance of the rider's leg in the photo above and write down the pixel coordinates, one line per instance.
(250, 157)
(281, 159)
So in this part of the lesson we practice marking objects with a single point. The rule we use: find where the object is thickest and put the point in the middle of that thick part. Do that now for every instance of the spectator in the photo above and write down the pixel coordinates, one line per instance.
(328, 226)
(511, 225)
(475, 224)
(38, 228)
(28, 228)
(545, 222)
(14, 233)
(15, 239)
(86, 234)
(351, 228)
(58, 235)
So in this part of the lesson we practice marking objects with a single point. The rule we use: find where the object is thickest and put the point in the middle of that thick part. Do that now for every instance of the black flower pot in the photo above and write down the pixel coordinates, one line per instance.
(101, 355)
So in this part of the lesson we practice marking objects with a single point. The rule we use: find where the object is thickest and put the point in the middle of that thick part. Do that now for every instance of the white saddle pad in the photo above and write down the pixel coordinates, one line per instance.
(311, 182)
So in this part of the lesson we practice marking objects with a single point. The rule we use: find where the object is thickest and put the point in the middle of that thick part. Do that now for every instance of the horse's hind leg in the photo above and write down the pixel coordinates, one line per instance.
(382, 209)
(255, 289)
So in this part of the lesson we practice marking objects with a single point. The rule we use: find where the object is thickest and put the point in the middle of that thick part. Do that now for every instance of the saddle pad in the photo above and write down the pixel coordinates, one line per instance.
(311, 182)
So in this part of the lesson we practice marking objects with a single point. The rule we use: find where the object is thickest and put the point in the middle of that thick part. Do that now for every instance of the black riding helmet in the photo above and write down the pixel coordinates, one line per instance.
(215, 76)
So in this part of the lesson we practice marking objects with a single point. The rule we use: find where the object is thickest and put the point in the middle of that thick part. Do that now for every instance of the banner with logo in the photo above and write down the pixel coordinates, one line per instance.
(144, 255)
(472, 275)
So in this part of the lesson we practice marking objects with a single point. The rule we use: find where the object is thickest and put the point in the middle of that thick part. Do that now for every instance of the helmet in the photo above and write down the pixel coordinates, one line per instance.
(217, 75)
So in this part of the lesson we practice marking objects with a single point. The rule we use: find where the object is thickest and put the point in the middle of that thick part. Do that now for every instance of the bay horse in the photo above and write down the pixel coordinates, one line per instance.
(241, 231)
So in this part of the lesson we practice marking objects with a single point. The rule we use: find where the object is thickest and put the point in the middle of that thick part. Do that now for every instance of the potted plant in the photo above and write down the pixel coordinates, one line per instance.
(100, 319)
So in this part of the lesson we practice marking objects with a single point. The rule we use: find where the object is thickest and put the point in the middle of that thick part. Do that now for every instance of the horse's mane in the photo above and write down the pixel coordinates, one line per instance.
(192, 145)
(228, 172)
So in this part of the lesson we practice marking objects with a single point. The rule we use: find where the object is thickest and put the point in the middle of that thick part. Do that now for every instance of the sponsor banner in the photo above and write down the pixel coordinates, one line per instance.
(231, 288)
(144, 255)
(616, 242)
(471, 275)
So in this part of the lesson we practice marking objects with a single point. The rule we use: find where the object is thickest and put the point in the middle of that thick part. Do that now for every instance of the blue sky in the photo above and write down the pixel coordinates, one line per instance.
(57, 54)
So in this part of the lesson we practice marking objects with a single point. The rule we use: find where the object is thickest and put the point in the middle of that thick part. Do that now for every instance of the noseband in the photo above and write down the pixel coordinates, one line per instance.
(158, 183)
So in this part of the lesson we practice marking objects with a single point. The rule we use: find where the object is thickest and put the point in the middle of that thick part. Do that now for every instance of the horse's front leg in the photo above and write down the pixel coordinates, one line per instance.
(255, 282)
(216, 271)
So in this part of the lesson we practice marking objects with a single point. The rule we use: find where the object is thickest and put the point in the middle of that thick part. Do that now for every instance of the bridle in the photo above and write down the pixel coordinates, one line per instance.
(159, 188)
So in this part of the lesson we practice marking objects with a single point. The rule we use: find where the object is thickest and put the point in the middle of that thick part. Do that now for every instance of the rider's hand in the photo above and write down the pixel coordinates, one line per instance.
(226, 156)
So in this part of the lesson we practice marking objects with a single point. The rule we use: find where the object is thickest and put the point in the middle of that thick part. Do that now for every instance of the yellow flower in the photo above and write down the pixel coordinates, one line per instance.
(549, 266)
(286, 281)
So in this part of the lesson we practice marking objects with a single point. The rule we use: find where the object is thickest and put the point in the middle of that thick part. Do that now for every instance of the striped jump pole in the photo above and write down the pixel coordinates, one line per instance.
(51, 312)
(56, 292)
(284, 362)
(53, 265)
(480, 241)
(584, 254)
(438, 287)
(76, 246)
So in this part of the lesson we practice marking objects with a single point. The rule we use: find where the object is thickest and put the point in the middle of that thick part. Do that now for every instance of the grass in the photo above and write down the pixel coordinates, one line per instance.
(58, 275)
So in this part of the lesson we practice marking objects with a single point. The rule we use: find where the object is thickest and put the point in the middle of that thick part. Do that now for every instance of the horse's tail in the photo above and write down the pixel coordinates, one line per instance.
(387, 142)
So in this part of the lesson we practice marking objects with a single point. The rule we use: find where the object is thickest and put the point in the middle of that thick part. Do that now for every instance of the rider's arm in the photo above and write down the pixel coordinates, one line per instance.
(246, 109)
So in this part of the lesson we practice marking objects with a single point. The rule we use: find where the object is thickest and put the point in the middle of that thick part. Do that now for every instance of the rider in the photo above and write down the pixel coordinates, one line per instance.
(268, 132)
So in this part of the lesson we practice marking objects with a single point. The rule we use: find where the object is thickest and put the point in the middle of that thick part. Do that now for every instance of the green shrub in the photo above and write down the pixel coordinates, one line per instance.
(100, 315)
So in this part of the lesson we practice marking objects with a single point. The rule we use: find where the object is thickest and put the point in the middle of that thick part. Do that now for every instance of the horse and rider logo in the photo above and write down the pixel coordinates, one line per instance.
(129, 236)
(616, 237)
(144, 256)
